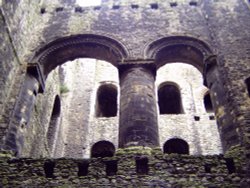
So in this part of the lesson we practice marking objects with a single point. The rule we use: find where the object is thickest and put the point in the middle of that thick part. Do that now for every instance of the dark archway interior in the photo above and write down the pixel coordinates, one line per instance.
(103, 149)
(169, 100)
(247, 81)
(53, 121)
(106, 101)
(176, 145)
(208, 103)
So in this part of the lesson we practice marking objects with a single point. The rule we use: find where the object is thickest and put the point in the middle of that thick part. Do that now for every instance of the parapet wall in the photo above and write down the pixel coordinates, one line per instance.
(128, 168)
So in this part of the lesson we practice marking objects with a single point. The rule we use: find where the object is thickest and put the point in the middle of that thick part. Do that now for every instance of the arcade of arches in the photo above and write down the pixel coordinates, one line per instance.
(99, 84)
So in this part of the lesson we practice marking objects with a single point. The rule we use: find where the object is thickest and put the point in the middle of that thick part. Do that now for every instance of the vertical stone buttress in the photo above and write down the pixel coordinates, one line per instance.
(227, 129)
(138, 114)
(21, 115)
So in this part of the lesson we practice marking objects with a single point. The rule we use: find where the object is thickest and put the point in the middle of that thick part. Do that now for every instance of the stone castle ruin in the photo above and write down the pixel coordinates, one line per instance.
(128, 93)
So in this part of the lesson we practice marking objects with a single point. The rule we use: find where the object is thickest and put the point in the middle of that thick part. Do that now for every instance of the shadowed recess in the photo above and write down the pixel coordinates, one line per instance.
(176, 145)
(103, 149)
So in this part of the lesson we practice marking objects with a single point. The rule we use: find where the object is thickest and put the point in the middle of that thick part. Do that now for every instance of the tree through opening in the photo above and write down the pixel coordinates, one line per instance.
(169, 99)
(176, 145)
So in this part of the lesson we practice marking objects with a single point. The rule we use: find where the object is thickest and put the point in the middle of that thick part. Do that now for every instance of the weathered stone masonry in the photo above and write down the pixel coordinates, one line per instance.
(36, 37)
(138, 116)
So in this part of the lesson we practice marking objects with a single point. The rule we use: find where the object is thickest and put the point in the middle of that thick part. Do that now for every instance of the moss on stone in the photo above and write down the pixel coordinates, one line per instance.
(237, 153)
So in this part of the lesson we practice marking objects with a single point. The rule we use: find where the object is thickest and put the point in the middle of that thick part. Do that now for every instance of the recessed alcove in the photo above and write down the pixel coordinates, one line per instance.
(177, 146)
(106, 101)
(169, 99)
(142, 166)
(103, 149)
(208, 103)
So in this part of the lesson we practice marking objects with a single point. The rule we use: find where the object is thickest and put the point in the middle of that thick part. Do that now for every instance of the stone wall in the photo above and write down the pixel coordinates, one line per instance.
(201, 134)
(38, 36)
(79, 120)
(126, 24)
(11, 77)
(35, 132)
(135, 167)
(82, 128)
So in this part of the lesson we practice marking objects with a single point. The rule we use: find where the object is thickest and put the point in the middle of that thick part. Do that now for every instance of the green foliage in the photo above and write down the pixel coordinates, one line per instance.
(64, 89)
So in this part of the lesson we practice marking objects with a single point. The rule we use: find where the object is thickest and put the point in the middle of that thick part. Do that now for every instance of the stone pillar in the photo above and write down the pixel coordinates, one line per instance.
(22, 112)
(138, 114)
(227, 128)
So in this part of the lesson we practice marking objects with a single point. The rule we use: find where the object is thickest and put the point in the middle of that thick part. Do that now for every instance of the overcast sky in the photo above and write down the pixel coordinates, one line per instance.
(86, 3)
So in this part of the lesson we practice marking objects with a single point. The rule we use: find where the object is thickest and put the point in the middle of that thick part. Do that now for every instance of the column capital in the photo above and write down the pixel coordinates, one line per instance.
(147, 64)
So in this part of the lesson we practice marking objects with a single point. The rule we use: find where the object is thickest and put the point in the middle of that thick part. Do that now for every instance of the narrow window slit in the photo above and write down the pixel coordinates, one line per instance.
(154, 6)
(193, 3)
(247, 81)
(111, 168)
(134, 6)
(97, 8)
(207, 168)
(142, 166)
(59, 9)
(43, 10)
(115, 7)
(197, 118)
(211, 118)
(49, 169)
(83, 168)
(230, 165)
(173, 4)
(79, 9)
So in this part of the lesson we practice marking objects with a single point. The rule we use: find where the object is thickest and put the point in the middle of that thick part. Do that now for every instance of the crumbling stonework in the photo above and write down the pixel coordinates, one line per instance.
(41, 117)
(124, 170)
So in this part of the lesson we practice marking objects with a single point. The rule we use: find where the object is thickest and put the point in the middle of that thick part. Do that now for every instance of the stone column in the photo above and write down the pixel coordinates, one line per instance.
(138, 114)
(22, 112)
(227, 128)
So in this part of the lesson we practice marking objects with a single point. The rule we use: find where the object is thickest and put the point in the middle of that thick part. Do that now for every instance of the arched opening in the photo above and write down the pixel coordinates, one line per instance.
(169, 99)
(178, 49)
(53, 122)
(176, 145)
(79, 46)
(103, 149)
(208, 103)
(247, 81)
(106, 101)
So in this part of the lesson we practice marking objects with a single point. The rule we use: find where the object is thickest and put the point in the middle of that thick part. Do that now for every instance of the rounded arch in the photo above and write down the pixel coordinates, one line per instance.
(103, 149)
(169, 98)
(176, 145)
(178, 49)
(87, 45)
(106, 100)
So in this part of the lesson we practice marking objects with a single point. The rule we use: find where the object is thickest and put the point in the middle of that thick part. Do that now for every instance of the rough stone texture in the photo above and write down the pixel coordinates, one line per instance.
(202, 135)
(163, 171)
(37, 36)
(138, 116)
